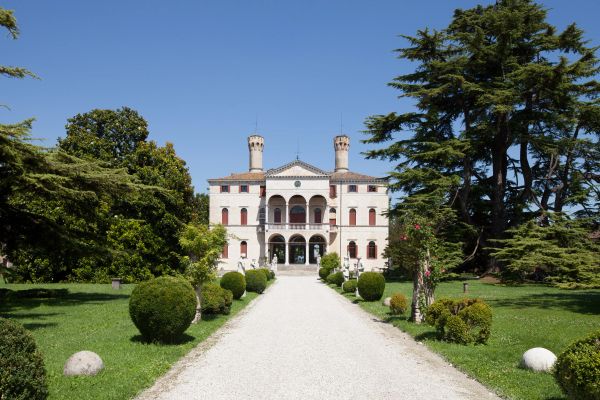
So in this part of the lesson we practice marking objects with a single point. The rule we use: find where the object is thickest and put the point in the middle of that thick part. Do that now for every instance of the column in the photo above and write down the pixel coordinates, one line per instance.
(286, 216)
(287, 253)
(306, 254)
(266, 217)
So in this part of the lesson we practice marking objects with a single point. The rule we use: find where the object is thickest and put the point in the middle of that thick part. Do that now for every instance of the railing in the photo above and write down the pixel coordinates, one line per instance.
(300, 227)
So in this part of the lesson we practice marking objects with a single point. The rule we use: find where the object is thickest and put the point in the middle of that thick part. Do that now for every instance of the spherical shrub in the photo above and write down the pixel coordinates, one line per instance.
(272, 274)
(577, 368)
(456, 330)
(330, 261)
(398, 304)
(215, 299)
(475, 314)
(256, 281)
(349, 286)
(235, 282)
(266, 272)
(478, 318)
(323, 273)
(22, 373)
(371, 286)
(162, 308)
(337, 278)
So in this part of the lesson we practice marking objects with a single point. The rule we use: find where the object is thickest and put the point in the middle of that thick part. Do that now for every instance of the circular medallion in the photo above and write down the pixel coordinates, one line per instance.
(297, 183)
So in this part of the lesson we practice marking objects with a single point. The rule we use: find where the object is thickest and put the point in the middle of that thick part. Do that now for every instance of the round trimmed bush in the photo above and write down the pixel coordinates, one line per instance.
(371, 286)
(349, 286)
(478, 317)
(266, 272)
(323, 273)
(457, 330)
(256, 281)
(337, 278)
(475, 314)
(215, 299)
(234, 282)
(398, 304)
(272, 274)
(577, 368)
(330, 261)
(22, 373)
(162, 308)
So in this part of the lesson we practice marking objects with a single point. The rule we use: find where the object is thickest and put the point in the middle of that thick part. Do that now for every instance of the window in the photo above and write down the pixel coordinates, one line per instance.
(332, 216)
(352, 188)
(261, 215)
(224, 188)
(372, 217)
(371, 250)
(352, 253)
(243, 248)
(352, 216)
(243, 216)
(243, 188)
(332, 191)
(318, 216)
(297, 215)
(225, 216)
(225, 253)
(372, 189)
(263, 191)
(277, 215)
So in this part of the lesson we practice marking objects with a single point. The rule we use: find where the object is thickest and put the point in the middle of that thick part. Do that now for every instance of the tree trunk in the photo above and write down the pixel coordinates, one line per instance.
(422, 292)
(198, 316)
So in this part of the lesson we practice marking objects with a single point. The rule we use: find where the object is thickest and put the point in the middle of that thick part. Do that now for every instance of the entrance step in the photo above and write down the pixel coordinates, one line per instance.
(292, 269)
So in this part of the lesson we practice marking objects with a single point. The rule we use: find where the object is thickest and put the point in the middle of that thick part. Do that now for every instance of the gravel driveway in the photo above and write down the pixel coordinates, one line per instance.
(300, 340)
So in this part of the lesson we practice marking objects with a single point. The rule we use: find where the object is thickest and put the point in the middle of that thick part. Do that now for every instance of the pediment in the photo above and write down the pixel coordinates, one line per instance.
(295, 169)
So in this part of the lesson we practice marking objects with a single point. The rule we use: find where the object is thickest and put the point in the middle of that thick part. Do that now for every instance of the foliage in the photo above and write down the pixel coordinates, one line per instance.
(398, 303)
(22, 372)
(267, 273)
(555, 249)
(234, 282)
(203, 246)
(475, 320)
(337, 278)
(371, 286)
(256, 281)
(330, 261)
(162, 308)
(349, 286)
(215, 299)
(577, 369)
(323, 273)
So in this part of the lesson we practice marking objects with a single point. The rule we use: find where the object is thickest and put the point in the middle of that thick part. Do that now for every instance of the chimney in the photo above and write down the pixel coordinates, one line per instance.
(256, 144)
(341, 144)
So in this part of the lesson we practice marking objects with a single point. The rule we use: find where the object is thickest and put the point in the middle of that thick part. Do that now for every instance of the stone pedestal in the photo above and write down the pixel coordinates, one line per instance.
(116, 283)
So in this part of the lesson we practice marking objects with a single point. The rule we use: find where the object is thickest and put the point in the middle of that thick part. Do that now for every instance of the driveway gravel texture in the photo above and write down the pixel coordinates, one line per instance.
(301, 340)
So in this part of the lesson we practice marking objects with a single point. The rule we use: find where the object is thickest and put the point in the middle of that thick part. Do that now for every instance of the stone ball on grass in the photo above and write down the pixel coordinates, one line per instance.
(538, 359)
(83, 363)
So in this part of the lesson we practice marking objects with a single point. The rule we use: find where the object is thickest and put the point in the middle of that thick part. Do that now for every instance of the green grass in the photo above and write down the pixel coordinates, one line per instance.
(96, 318)
(523, 317)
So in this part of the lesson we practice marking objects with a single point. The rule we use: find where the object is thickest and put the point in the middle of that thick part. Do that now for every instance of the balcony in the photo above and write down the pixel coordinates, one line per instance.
(299, 227)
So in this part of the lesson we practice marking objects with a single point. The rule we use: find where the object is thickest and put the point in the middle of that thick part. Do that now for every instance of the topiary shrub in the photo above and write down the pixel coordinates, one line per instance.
(215, 299)
(272, 274)
(349, 286)
(337, 278)
(22, 373)
(398, 304)
(476, 317)
(162, 308)
(235, 282)
(577, 369)
(371, 286)
(323, 273)
(330, 261)
(256, 281)
(266, 272)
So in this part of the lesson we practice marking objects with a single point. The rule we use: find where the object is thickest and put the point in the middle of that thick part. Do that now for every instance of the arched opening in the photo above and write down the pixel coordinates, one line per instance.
(316, 205)
(298, 215)
(277, 248)
(243, 216)
(316, 248)
(318, 216)
(276, 204)
(297, 250)
(332, 216)
(352, 217)
(352, 253)
(277, 216)
(371, 250)
(244, 249)
(225, 216)
(372, 217)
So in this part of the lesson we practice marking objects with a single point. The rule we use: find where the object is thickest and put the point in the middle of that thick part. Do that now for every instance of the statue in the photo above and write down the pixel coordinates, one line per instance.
(274, 263)
(346, 270)
(318, 262)
(241, 267)
(358, 267)
(253, 264)
(346, 263)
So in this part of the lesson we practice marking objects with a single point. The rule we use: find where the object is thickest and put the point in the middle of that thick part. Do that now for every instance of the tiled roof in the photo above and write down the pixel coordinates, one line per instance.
(353, 176)
(244, 176)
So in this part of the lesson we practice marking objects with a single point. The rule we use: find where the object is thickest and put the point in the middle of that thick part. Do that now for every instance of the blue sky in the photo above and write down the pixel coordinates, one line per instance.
(203, 72)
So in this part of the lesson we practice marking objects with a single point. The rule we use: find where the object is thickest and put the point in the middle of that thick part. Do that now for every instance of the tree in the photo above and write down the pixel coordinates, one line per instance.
(507, 119)
(203, 246)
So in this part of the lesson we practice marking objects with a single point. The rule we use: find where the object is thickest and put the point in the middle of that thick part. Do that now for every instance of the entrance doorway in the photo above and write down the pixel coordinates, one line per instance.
(316, 248)
(277, 248)
(297, 250)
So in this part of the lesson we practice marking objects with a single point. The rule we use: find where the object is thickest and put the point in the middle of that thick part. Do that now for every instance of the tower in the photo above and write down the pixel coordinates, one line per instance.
(256, 144)
(341, 144)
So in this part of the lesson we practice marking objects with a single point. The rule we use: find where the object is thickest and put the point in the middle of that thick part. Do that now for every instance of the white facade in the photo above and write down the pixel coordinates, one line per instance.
(298, 210)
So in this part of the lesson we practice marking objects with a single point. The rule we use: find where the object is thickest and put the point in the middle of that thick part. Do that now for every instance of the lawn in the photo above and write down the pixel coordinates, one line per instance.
(96, 318)
(523, 317)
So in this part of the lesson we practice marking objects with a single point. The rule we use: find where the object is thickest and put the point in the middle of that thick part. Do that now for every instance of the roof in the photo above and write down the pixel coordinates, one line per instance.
(305, 165)
(350, 176)
(244, 176)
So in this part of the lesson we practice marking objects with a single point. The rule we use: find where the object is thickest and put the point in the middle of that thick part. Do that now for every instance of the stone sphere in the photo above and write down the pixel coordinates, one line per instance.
(538, 359)
(387, 301)
(83, 363)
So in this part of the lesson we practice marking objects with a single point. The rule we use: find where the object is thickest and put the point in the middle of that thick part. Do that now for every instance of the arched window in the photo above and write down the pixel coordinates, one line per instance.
(225, 216)
(372, 217)
(243, 249)
(332, 216)
(277, 215)
(371, 250)
(243, 216)
(352, 250)
(318, 216)
(352, 216)
(298, 215)
(225, 253)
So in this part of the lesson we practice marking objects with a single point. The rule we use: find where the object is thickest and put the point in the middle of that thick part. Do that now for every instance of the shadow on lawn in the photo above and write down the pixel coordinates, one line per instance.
(185, 338)
(583, 302)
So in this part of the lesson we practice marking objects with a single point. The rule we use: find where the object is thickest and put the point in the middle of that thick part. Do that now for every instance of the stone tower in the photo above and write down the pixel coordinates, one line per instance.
(341, 144)
(256, 144)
